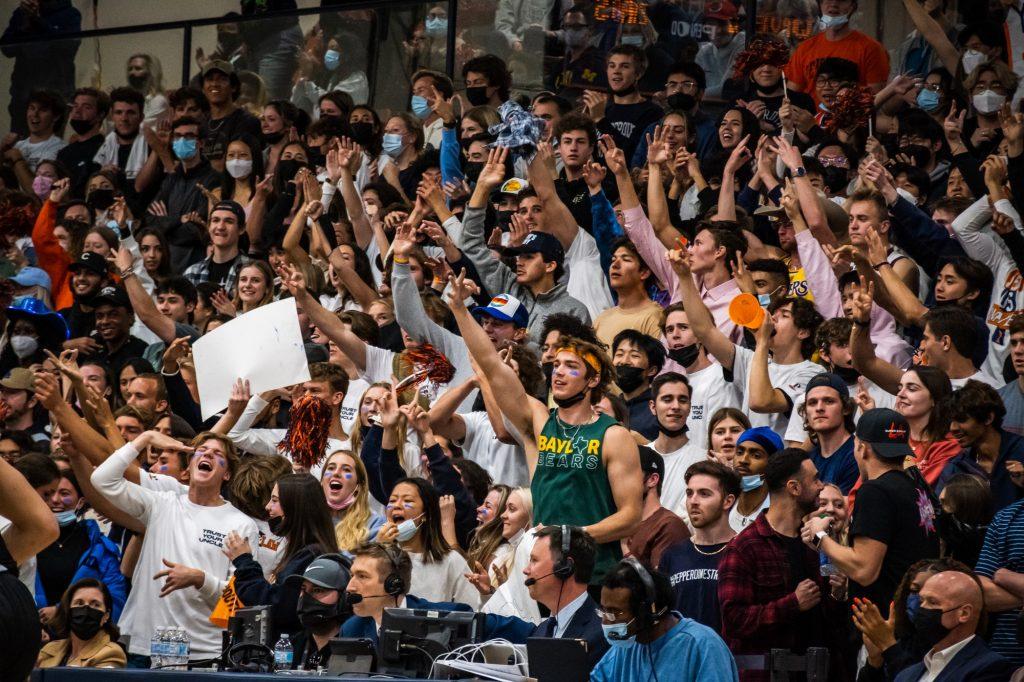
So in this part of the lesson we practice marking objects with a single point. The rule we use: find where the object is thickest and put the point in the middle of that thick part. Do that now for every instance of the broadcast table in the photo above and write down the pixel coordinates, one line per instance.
(111, 675)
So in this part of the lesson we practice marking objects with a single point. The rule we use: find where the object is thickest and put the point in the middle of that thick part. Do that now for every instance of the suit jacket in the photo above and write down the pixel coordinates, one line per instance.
(975, 662)
(584, 625)
(98, 653)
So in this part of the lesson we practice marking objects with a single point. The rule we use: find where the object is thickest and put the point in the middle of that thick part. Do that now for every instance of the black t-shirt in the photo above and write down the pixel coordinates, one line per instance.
(80, 322)
(219, 271)
(123, 152)
(221, 131)
(694, 578)
(58, 563)
(893, 510)
(7, 562)
(630, 121)
(77, 157)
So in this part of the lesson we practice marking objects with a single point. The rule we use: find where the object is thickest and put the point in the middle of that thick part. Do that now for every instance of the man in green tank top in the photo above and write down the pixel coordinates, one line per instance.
(584, 466)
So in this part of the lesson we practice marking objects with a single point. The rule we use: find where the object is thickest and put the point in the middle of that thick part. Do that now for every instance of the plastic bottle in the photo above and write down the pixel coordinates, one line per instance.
(186, 648)
(283, 653)
(825, 565)
(171, 648)
(156, 643)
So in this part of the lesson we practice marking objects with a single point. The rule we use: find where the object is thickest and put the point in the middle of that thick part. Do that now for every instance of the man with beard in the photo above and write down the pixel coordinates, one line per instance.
(670, 405)
(827, 412)
(659, 527)
(125, 148)
(628, 114)
(893, 522)
(88, 277)
(637, 358)
(712, 489)
(769, 584)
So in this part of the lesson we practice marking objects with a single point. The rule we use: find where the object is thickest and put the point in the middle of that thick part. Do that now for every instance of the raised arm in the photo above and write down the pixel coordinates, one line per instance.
(443, 417)
(727, 192)
(33, 526)
(805, 192)
(293, 236)
(934, 33)
(142, 302)
(658, 158)
(762, 396)
(865, 361)
(701, 321)
(904, 304)
(344, 161)
(362, 292)
(558, 220)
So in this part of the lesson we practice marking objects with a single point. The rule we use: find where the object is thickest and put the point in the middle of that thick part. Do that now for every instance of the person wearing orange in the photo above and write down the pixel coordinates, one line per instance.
(837, 39)
(53, 258)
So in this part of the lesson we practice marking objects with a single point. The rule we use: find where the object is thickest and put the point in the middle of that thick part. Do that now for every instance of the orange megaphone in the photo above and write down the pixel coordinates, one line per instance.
(745, 311)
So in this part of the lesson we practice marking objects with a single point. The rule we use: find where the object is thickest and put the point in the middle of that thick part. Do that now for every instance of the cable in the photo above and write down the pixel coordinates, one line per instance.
(650, 657)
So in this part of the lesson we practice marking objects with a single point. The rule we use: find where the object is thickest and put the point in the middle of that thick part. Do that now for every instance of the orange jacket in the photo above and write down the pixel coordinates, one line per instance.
(51, 257)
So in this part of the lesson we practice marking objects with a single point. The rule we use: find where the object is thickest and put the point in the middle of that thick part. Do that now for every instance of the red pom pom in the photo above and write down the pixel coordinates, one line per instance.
(17, 216)
(308, 426)
(763, 50)
(429, 363)
(852, 109)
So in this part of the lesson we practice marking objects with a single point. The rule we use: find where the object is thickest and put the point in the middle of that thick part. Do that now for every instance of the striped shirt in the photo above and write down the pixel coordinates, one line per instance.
(1004, 548)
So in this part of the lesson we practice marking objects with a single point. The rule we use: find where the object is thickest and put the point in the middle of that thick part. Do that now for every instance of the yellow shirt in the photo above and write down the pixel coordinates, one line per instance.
(646, 319)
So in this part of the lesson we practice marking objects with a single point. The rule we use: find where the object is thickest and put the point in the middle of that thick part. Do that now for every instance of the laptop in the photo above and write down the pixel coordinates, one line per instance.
(558, 660)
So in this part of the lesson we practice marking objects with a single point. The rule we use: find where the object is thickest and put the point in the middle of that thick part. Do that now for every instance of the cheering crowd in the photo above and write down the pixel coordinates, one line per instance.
(692, 382)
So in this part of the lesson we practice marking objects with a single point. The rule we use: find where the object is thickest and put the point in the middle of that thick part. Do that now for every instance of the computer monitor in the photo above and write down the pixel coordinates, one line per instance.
(410, 639)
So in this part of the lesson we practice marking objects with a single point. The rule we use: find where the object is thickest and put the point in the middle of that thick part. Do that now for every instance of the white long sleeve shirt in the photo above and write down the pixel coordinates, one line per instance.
(182, 532)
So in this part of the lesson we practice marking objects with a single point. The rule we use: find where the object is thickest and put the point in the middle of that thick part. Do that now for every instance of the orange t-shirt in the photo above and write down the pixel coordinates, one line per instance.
(867, 53)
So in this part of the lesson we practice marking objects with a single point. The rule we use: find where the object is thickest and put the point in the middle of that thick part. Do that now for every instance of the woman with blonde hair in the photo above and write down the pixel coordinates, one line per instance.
(344, 482)
(147, 77)
(496, 540)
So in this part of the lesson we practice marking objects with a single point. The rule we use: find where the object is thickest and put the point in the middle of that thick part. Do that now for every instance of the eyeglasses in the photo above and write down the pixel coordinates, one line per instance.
(934, 87)
(822, 81)
(834, 161)
(682, 85)
(610, 616)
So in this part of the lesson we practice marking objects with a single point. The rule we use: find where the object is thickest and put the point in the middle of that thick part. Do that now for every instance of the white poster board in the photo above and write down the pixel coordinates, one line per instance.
(263, 345)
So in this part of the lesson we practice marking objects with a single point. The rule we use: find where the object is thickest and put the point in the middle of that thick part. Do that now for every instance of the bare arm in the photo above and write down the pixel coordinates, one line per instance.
(294, 234)
(623, 469)
(900, 299)
(362, 292)
(701, 321)
(934, 34)
(998, 598)
(443, 418)
(806, 194)
(142, 302)
(727, 193)
(764, 397)
(345, 156)
(865, 361)
(33, 526)
(558, 219)
(861, 563)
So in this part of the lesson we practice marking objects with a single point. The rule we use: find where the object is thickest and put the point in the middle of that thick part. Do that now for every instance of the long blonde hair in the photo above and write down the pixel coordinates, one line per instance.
(487, 537)
(354, 527)
(356, 437)
(527, 499)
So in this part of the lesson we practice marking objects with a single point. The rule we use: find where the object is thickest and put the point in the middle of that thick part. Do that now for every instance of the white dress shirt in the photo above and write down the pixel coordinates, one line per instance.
(935, 663)
(563, 617)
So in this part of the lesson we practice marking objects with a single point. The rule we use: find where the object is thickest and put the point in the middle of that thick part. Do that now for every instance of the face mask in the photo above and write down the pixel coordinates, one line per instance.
(685, 355)
(85, 621)
(392, 145)
(317, 159)
(548, 368)
(137, 82)
(420, 106)
(100, 199)
(971, 60)
(615, 634)
(628, 378)
(312, 614)
(576, 37)
(437, 26)
(477, 96)
(635, 39)
(272, 138)
(239, 168)
(928, 627)
(570, 401)
(24, 345)
(752, 482)
(673, 433)
(184, 149)
(471, 169)
(988, 102)
(681, 101)
(847, 374)
(913, 605)
(332, 58)
(80, 126)
(928, 99)
(287, 169)
(828, 22)
(362, 132)
(275, 523)
(835, 179)
(407, 529)
(764, 300)
(41, 185)
(66, 518)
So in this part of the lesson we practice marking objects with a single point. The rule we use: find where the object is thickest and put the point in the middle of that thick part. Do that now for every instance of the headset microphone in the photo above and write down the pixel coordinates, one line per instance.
(356, 598)
(533, 581)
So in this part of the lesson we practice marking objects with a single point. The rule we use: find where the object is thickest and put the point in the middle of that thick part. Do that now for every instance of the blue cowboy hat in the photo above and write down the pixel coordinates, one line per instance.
(53, 330)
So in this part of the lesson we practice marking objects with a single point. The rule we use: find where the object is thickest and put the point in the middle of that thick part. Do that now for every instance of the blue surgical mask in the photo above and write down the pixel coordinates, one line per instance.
(764, 299)
(828, 22)
(913, 604)
(928, 99)
(331, 59)
(392, 145)
(615, 634)
(635, 39)
(437, 26)
(752, 482)
(407, 529)
(184, 148)
(66, 518)
(420, 106)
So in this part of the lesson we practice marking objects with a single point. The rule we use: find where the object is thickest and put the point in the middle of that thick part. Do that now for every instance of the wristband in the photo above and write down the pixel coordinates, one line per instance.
(125, 274)
(818, 537)
(403, 260)
(876, 266)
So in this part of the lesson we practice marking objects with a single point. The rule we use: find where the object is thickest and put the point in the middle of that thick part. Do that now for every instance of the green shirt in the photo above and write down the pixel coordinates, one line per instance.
(570, 484)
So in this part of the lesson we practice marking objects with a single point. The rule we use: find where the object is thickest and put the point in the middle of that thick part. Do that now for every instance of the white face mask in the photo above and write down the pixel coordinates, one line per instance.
(988, 101)
(23, 346)
(971, 60)
(239, 168)
(828, 22)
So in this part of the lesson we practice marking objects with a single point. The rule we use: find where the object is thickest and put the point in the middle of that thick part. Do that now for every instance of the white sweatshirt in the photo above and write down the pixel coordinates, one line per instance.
(181, 532)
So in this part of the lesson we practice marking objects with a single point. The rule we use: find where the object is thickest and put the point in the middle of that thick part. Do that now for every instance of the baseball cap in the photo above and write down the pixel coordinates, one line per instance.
(720, 9)
(651, 462)
(90, 261)
(226, 68)
(32, 277)
(327, 571)
(18, 379)
(513, 186)
(115, 296)
(543, 243)
(886, 431)
(831, 380)
(507, 308)
(763, 436)
(234, 207)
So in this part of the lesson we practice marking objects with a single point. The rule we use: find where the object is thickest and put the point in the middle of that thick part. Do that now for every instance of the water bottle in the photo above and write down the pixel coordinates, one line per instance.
(283, 653)
(825, 565)
(174, 644)
(171, 649)
(156, 643)
(186, 647)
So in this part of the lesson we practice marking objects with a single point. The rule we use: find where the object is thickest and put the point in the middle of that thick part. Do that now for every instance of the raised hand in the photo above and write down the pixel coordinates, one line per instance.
(594, 175)
(877, 252)
(175, 353)
(235, 546)
(789, 201)
(158, 208)
(862, 301)
(594, 104)
(460, 288)
(789, 154)
(47, 389)
(1002, 224)
(614, 157)
(863, 399)
(744, 280)
(444, 108)
(493, 173)
(223, 304)
(658, 152)
(265, 186)
(292, 279)
(179, 577)
(67, 363)
(241, 394)
(59, 190)
(679, 259)
(480, 579)
(517, 231)
(739, 157)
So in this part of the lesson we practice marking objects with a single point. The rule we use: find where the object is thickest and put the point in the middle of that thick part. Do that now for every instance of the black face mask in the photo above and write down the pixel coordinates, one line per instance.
(85, 621)
(681, 101)
(313, 614)
(287, 169)
(928, 627)
(847, 374)
(81, 126)
(673, 433)
(273, 138)
(229, 41)
(472, 170)
(100, 199)
(275, 523)
(836, 179)
(548, 368)
(362, 132)
(136, 82)
(685, 355)
(571, 400)
(628, 378)
(477, 96)
(317, 159)
(504, 220)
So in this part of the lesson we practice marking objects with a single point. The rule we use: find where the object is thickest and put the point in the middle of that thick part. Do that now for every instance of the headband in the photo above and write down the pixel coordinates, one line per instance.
(584, 355)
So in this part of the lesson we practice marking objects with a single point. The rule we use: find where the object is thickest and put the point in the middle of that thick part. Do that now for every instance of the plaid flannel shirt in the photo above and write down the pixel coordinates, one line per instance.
(198, 273)
(756, 586)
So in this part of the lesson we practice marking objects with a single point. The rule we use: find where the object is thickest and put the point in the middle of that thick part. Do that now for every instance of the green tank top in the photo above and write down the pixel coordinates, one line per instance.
(570, 484)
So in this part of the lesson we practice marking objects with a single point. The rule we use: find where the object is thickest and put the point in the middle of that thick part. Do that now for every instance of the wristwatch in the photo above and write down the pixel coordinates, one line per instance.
(818, 537)
(800, 172)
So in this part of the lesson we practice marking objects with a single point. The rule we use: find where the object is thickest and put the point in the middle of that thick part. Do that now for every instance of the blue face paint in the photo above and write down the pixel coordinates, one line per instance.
(348, 477)
(163, 468)
(221, 462)
(574, 372)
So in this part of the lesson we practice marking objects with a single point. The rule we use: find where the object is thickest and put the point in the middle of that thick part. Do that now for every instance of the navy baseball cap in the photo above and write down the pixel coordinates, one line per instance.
(886, 431)
(831, 380)
(543, 243)
(507, 308)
